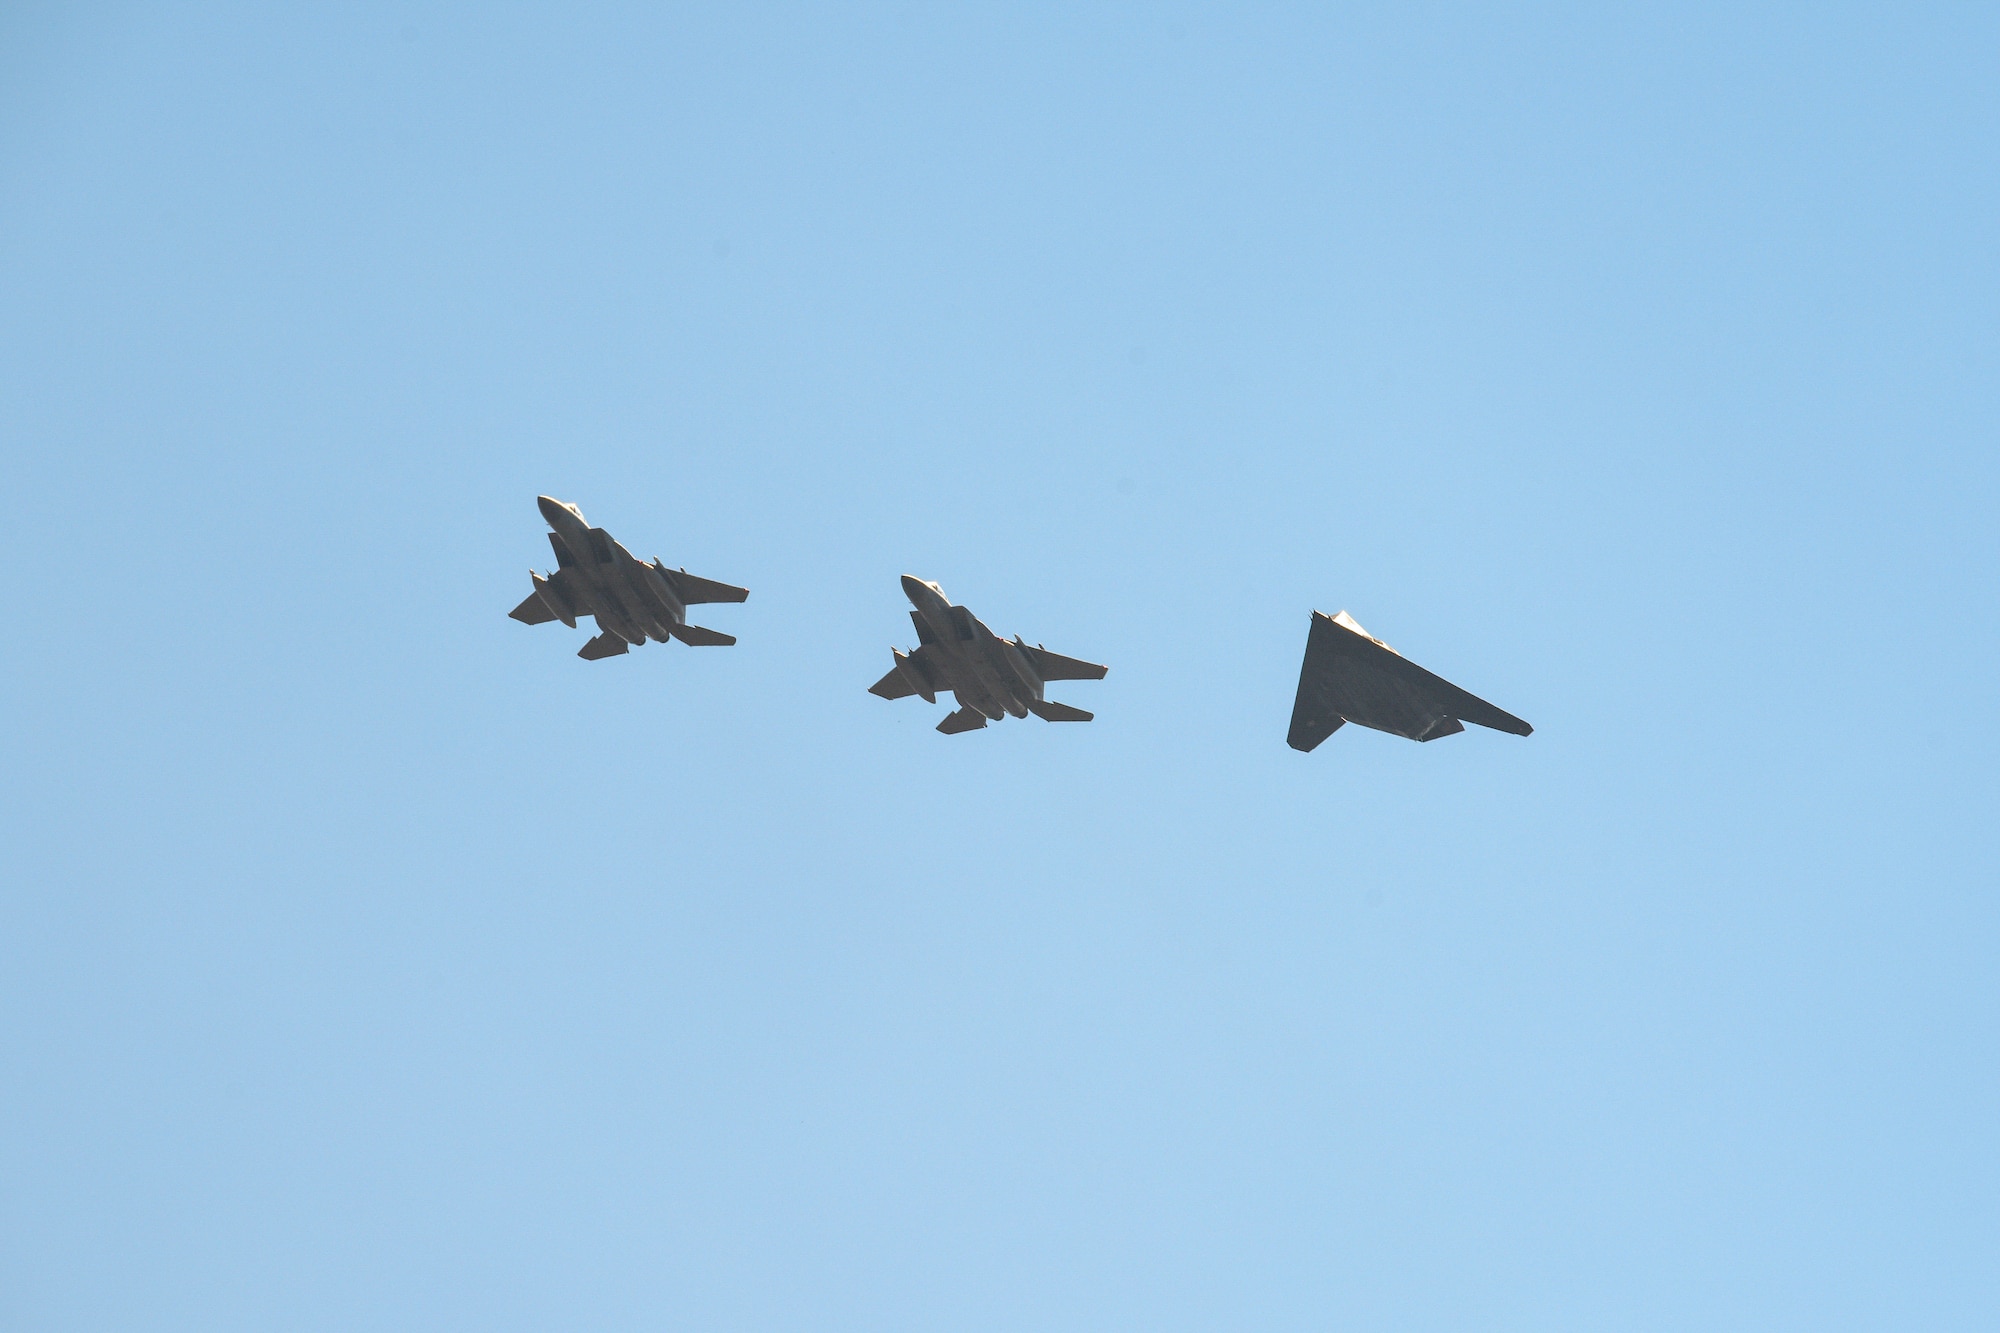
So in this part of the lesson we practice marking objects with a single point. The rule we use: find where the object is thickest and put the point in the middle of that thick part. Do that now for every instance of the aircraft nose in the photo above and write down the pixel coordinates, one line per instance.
(918, 591)
(550, 507)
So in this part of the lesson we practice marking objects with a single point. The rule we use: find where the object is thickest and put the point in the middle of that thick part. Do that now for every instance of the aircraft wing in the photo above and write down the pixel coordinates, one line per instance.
(1349, 676)
(1311, 723)
(1054, 666)
(1469, 707)
(533, 611)
(1449, 698)
(892, 686)
(692, 589)
(898, 685)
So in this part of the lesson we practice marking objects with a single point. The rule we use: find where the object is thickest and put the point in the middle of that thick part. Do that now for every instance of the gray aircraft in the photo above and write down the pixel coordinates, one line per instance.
(991, 676)
(1351, 676)
(632, 600)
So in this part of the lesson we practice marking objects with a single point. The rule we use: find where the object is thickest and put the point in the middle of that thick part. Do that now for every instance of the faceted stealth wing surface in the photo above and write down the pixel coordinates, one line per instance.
(1349, 676)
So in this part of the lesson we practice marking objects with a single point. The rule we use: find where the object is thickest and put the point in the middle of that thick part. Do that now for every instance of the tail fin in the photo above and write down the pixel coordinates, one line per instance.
(1050, 711)
(694, 636)
(604, 645)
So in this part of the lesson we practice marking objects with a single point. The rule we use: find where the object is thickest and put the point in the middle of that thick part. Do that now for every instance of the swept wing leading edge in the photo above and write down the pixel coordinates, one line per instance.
(1350, 676)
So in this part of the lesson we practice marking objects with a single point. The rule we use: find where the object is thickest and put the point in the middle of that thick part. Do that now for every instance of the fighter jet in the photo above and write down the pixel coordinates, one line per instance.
(1351, 676)
(633, 601)
(991, 676)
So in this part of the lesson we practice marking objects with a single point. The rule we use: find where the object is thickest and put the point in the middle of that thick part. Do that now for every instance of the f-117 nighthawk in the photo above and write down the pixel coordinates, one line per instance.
(992, 677)
(633, 601)
(1351, 676)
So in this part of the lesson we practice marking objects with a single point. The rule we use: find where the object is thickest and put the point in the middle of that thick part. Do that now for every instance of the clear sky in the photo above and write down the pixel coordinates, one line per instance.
(369, 961)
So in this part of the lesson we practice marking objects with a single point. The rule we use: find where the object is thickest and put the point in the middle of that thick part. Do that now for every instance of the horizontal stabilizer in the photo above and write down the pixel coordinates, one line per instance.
(694, 636)
(1054, 666)
(533, 610)
(965, 719)
(692, 589)
(604, 645)
(1050, 711)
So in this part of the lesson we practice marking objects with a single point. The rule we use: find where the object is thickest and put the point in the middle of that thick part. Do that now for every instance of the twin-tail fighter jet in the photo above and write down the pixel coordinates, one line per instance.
(1351, 676)
(990, 676)
(632, 600)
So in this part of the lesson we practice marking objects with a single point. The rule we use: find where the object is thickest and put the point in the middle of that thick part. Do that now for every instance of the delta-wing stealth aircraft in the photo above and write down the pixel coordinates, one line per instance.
(1351, 676)
(990, 676)
(632, 600)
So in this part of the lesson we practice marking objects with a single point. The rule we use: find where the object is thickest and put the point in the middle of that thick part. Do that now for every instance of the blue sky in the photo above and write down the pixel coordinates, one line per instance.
(367, 960)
